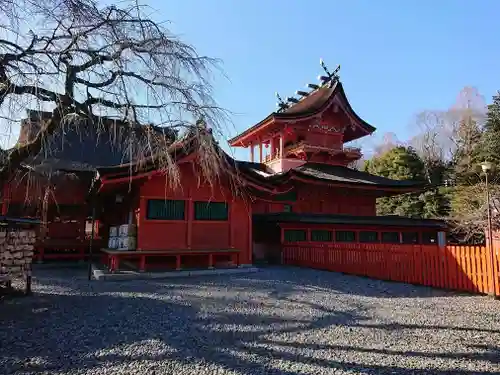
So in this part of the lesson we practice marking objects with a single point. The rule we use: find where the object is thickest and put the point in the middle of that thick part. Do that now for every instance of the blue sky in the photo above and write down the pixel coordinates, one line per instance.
(397, 57)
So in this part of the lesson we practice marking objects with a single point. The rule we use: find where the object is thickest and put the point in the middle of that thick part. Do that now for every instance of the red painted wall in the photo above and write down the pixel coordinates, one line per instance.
(32, 191)
(327, 200)
(168, 234)
(318, 199)
(65, 193)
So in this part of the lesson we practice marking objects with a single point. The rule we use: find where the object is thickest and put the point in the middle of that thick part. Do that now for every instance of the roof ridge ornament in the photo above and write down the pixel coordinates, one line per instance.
(281, 103)
(331, 78)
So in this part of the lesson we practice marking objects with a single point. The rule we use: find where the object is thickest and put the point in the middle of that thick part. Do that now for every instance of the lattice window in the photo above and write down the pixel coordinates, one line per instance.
(429, 237)
(368, 236)
(161, 209)
(211, 211)
(390, 237)
(295, 235)
(320, 235)
(345, 236)
(410, 237)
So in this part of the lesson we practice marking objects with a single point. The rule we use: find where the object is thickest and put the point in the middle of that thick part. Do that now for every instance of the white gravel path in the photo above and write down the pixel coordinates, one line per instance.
(277, 321)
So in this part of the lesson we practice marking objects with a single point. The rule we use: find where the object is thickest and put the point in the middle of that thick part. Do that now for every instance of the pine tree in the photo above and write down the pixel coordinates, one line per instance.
(403, 163)
(490, 145)
(467, 156)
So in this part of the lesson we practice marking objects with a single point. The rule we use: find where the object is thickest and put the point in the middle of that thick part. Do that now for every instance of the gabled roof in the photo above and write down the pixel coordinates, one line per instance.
(278, 183)
(253, 175)
(90, 144)
(345, 175)
(316, 102)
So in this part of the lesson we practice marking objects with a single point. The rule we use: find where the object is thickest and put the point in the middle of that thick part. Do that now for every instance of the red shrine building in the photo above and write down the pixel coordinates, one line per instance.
(296, 188)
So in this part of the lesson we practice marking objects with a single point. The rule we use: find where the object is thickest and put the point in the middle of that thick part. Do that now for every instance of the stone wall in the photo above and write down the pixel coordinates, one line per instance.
(16, 251)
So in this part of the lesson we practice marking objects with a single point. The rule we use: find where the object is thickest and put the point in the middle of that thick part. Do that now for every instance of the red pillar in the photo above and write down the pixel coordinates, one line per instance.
(142, 263)
(229, 222)
(5, 198)
(190, 217)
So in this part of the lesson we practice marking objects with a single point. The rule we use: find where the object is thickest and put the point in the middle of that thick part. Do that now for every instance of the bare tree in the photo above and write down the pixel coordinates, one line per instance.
(82, 62)
(388, 142)
(469, 211)
(434, 142)
(441, 133)
(469, 109)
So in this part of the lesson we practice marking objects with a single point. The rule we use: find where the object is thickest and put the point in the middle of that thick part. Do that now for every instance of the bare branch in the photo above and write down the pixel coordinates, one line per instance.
(92, 61)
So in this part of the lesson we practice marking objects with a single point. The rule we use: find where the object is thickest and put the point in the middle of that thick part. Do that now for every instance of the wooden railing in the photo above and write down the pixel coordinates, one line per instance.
(465, 268)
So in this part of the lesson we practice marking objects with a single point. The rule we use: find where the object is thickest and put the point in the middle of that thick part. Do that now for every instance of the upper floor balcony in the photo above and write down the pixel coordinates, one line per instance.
(307, 150)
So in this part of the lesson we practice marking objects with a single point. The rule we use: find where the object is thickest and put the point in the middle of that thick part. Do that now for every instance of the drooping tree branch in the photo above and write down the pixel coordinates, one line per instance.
(91, 61)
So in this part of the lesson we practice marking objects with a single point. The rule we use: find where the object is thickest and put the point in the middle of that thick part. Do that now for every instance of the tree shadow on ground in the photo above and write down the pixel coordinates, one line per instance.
(348, 284)
(488, 353)
(276, 279)
(87, 327)
(85, 336)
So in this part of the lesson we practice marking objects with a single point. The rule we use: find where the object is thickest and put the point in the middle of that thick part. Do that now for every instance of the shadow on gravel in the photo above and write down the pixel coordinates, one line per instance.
(488, 353)
(333, 282)
(83, 337)
(275, 279)
(93, 330)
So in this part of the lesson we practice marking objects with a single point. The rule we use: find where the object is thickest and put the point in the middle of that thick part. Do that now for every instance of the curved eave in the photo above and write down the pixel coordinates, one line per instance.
(241, 139)
(127, 173)
(386, 189)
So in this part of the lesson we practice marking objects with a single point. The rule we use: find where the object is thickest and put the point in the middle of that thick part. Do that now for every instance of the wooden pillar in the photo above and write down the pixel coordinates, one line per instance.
(249, 254)
(252, 158)
(260, 152)
(210, 261)
(115, 262)
(41, 252)
(140, 221)
(178, 262)
(190, 216)
(142, 263)
(230, 224)
(281, 145)
(5, 198)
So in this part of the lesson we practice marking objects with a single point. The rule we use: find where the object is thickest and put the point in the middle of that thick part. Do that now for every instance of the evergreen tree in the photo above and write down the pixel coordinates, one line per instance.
(468, 204)
(403, 163)
(490, 145)
(400, 163)
(467, 157)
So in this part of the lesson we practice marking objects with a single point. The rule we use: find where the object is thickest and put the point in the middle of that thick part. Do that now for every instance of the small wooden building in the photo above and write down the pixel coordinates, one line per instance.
(53, 183)
(199, 223)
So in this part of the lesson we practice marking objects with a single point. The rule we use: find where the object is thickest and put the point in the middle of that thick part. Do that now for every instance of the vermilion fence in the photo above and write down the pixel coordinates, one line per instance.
(466, 268)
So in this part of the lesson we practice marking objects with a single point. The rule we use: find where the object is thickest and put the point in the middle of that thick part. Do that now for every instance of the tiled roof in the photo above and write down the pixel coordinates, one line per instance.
(341, 174)
(310, 105)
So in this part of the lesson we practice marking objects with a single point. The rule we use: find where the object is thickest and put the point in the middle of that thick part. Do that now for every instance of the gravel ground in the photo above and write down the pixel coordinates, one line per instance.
(277, 321)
